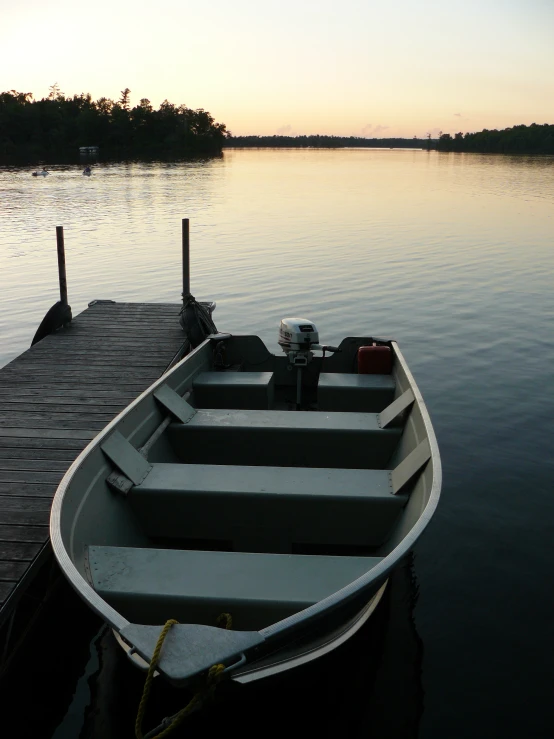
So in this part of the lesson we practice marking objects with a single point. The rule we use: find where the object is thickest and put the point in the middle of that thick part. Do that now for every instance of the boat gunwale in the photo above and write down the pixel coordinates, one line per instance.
(375, 576)
(253, 671)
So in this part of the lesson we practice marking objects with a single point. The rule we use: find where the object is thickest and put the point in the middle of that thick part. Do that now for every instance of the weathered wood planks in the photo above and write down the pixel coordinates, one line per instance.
(54, 399)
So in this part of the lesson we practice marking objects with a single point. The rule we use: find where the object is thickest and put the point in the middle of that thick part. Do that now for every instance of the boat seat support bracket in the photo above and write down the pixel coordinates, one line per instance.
(393, 411)
(127, 459)
(415, 460)
(119, 483)
(174, 403)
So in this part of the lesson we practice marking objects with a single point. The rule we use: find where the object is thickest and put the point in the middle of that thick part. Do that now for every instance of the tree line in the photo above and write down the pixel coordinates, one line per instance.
(56, 126)
(533, 139)
(323, 142)
(59, 125)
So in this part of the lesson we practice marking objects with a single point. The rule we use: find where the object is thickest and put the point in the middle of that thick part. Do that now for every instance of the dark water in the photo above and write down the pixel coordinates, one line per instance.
(85, 688)
(453, 256)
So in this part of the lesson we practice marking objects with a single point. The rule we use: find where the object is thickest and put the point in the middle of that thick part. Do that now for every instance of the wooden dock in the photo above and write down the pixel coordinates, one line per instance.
(54, 399)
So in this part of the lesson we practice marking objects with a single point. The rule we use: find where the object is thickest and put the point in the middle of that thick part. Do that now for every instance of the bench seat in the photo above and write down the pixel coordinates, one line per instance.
(150, 586)
(234, 390)
(287, 438)
(337, 391)
(285, 506)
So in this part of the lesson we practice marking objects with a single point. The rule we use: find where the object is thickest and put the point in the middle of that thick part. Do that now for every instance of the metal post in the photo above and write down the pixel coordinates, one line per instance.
(61, 264)
(186, 260)
(298, 387)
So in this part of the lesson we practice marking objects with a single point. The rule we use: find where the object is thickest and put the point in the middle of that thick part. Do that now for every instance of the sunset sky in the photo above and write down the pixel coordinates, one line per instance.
(353, 67)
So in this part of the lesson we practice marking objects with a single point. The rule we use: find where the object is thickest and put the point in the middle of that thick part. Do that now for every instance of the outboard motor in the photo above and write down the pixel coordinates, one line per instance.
(298, 338)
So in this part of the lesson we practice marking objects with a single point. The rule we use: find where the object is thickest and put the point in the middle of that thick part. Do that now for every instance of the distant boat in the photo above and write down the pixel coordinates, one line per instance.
(87, 171)
(40, 172)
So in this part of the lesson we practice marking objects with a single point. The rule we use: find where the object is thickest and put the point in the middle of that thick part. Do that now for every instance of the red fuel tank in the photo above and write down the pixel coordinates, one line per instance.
(374, 360)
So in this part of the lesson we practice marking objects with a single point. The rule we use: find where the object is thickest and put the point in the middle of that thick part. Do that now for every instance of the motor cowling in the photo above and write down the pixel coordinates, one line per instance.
(297, 334)
(298, 337)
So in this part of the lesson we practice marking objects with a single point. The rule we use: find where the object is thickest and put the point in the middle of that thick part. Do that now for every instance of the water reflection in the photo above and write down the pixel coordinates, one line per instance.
(399, 229)
(81, 685)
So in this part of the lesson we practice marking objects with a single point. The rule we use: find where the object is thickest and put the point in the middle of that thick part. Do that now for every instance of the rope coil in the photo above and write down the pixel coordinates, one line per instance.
(196, 320)
(214, 676)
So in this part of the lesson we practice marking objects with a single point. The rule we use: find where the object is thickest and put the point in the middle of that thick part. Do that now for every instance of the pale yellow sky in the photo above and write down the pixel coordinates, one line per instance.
(350, 68)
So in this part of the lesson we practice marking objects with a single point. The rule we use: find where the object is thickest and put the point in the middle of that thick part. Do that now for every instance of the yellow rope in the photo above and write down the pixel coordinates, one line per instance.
(214, 676)
(224, 621)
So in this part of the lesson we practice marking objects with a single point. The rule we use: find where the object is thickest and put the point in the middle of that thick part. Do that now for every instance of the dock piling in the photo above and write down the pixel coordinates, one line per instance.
(60, 313)
(61, 264)
(186, 260)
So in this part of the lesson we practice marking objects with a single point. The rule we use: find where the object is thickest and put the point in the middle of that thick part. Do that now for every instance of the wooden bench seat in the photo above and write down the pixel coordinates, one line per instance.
(150, 586)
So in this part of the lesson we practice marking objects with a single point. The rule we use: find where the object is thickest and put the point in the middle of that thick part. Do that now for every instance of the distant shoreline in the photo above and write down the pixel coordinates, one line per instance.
(316, 141)
(527, 140)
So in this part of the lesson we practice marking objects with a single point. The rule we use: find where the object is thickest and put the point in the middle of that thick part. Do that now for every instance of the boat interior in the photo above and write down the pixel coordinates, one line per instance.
(233, 486)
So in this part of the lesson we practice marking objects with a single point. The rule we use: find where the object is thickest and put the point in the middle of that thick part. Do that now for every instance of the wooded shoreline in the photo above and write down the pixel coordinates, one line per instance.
(54, 129)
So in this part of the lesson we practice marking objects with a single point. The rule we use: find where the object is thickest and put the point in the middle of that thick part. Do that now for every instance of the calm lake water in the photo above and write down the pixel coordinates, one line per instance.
(450, 254)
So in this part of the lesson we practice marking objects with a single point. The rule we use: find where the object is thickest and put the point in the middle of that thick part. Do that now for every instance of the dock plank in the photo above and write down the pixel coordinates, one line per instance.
(22, 518)
(5, 590)
(55, 398)
(11, 571)
(63, 384)
(83, 343)
(63, 410)
(37, 395)
(19, 503)
(11, 454)
(9, 432)
(23, 533)
(63, 405)
(95, 352)
(30, 489)
(22, 475)
(136, 328)
(106, 372)
(18, 550)
(139, 360)
(39, 465)
(35, 421)
(39, 442)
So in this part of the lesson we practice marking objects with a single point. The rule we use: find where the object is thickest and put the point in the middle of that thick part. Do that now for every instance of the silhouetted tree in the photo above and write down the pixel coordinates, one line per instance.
(59, 124)
(124, 99)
